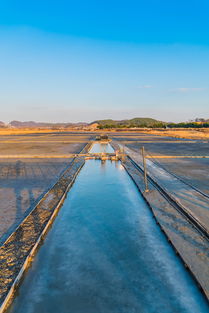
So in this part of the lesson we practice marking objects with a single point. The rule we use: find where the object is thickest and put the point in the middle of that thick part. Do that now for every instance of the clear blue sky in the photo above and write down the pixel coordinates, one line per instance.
(86, 60)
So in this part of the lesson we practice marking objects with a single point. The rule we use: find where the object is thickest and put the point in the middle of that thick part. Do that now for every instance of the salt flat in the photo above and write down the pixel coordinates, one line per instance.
(24, 181)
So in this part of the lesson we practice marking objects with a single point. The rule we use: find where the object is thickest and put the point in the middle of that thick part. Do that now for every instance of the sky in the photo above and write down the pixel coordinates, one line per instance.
(70, 61)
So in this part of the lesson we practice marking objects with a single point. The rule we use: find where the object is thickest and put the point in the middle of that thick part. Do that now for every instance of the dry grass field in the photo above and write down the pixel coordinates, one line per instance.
(26, 131)
(23, 181)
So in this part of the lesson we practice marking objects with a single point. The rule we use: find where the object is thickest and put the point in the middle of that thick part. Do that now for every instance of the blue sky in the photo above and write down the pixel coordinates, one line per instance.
(87, 60)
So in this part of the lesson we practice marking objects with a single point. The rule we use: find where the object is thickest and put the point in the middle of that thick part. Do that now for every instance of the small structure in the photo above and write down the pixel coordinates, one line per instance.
(102, 137)
(103, 156)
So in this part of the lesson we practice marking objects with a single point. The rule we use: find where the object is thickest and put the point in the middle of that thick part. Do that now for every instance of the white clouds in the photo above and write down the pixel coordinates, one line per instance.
(178, 90)
(186, 90)
(145, 87)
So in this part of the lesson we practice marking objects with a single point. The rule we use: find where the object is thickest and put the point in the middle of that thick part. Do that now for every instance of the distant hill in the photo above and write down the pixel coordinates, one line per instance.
(131, 123)
(2, 124)
(32, 124)
(137, 122)
(108, 123)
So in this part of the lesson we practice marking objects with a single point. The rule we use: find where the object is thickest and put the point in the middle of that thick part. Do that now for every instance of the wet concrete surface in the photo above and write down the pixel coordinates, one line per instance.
(22, 184)
(173, 148)
(105, 253)
(194, 202)
(43, 144)
(161, 145)
(140, 136)
(24, 181)
(193, 171)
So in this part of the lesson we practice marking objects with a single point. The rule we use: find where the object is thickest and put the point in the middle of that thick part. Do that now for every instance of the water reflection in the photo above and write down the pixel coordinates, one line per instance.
(101, 147)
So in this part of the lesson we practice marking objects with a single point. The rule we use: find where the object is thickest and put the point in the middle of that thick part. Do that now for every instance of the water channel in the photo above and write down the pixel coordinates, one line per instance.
(106, 254)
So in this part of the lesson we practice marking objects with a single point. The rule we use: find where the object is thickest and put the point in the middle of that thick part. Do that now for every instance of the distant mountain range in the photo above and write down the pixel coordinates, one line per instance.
(138, 122)
(32, 124)
(2, 124)
(134, 122)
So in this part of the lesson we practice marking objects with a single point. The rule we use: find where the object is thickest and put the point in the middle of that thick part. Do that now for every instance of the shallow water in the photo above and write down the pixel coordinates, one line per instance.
(101, 147)
(105, 253)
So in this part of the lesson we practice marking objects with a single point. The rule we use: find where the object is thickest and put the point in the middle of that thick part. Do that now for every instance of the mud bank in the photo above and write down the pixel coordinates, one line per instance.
(18, 250)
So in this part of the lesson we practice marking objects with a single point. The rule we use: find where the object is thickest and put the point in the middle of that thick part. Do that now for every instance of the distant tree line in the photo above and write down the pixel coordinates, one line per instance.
(188, 125)
(142, 125)
(156, 125)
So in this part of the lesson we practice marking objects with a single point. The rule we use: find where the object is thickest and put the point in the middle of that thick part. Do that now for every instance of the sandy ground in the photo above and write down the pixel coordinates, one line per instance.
(24, 181)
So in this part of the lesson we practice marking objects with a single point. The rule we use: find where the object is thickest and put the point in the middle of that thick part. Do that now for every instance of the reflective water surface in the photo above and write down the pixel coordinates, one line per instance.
(106, 254)
(101, 147)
